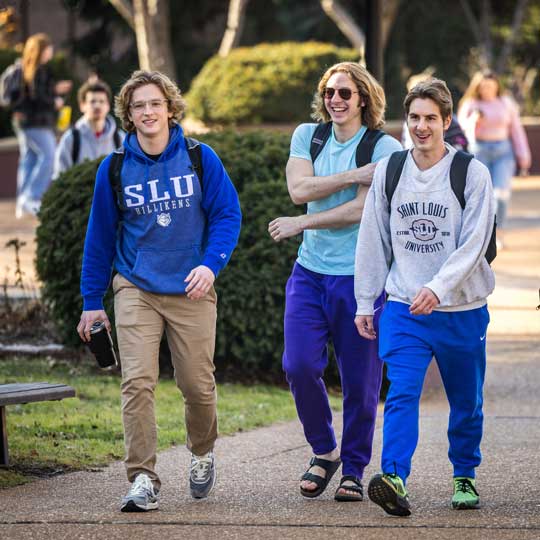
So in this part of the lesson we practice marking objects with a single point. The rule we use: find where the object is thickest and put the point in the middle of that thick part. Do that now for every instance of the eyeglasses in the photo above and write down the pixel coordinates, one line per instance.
(344, 93)
(154, 104)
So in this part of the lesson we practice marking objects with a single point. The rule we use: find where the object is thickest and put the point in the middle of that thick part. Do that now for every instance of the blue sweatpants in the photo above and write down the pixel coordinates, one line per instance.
(320, 308)
(407, 344)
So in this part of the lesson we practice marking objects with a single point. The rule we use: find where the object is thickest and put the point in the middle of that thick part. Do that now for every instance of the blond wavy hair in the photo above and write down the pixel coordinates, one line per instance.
(175, 102)
(369, 90)
(31, 55)
(472, 91)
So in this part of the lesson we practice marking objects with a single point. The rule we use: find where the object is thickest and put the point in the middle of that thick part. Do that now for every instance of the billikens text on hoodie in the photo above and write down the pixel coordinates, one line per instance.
(427, 239)
(168, 224)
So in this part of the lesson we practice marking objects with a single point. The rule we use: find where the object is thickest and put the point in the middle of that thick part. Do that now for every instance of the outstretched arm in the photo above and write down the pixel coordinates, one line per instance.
(345, 214)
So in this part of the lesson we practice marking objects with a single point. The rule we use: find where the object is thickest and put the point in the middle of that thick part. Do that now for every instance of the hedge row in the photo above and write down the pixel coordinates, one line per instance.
(265, 83)
(250, 289)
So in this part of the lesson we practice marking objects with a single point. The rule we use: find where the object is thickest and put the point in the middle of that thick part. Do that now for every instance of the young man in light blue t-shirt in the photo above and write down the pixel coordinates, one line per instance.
(320, 302)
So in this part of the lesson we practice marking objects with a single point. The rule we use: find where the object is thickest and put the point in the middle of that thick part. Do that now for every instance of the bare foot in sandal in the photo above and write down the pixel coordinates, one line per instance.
(350, 489)
(307, 487)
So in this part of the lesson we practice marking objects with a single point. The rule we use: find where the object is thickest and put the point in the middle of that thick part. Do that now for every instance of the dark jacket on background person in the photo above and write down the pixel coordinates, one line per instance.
(36, 102)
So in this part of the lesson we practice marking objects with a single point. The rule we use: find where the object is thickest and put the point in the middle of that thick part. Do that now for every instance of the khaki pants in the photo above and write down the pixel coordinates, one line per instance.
(141, 318)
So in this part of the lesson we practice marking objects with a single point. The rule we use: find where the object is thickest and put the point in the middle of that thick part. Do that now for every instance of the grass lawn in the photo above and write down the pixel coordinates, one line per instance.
(86, 431)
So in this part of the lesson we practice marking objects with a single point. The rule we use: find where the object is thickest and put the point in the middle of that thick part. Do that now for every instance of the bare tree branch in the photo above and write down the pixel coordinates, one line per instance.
(485, 26)
(235, 25)
(481, 30)
(125, 9)
(390, 10)
(345, 23)
(471, 19)
(519, 14)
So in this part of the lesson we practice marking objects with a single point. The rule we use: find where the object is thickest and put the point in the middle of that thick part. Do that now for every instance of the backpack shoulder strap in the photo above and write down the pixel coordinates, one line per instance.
(193, 147)
(117, 139)
(458, 175)
(318, 140)
(366, 146)
(115, 178)
(76, 146)
(393, 173)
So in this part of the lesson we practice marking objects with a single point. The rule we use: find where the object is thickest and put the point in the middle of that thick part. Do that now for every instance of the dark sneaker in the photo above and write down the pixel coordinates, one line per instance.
(388, 491)
(202, 476)
(141, 496)
(465, 494)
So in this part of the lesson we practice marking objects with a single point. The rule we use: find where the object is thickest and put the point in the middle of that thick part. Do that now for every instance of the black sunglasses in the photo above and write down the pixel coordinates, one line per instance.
(344, 93)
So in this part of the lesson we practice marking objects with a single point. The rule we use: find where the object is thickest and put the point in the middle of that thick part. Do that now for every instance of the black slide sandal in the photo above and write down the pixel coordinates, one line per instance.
(357, 489)
(329, 466)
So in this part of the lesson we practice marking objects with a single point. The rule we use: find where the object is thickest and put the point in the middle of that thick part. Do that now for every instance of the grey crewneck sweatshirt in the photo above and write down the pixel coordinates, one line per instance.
(426, 240)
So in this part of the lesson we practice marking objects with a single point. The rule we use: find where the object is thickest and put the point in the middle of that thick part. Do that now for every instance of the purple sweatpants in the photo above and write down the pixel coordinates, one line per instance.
(320, 308)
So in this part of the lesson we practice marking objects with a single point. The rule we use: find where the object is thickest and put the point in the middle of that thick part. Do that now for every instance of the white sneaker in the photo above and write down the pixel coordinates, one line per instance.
(141, 496)
(202, 476)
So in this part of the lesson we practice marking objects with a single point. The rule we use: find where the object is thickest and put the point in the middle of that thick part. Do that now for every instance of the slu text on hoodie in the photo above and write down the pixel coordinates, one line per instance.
(168, 225)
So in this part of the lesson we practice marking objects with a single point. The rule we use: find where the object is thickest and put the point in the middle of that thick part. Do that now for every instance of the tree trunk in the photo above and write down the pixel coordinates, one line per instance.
(235, 26)
(150, 20)
(346, 24)
(390, 11)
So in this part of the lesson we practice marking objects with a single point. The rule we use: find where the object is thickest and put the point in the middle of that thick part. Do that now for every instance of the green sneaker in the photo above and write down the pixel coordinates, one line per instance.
(388, 491)
(465, 494)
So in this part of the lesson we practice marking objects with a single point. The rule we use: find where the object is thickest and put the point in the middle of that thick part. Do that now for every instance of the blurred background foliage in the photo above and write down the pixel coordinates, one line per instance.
(439, 34)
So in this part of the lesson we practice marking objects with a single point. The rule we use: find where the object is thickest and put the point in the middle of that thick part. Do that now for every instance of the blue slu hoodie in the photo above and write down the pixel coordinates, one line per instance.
(168, 226)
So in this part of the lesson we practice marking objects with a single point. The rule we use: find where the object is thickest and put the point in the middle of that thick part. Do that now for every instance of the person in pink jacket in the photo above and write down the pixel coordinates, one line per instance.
(491, 120)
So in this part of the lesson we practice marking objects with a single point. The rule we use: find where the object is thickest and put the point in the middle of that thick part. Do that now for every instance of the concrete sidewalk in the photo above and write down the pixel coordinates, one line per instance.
(257, 491)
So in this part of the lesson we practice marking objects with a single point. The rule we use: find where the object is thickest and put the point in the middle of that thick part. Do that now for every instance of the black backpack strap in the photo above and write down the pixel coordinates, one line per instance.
(458, 175)
(366, 146)
(115, 176)
(76, 146)
(117, 139)
(318, 140)
(393, 173)
(193, 147)
(458, 180)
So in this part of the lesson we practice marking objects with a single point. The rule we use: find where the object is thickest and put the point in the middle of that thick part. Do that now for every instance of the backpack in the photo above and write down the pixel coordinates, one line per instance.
(364, 150)
(458, 179)
(193, 147)
(10, 85)
(76, 148)
(455, 136)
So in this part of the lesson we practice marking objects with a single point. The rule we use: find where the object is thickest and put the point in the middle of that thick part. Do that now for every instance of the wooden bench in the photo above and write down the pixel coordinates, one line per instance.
(12, 394)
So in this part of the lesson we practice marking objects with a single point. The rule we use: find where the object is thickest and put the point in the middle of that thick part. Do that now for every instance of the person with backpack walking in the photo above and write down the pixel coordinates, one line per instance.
(95, 134)
(329, 168)
(491, 119)
(166, 217)
(426, 237)
(34, 98)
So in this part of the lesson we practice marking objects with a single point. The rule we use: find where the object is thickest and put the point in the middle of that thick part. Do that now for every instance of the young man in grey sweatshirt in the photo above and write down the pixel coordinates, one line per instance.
(428, 253)
(95, 134)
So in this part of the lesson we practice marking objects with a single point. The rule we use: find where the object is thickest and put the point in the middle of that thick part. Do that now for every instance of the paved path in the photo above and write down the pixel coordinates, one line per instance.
(257, 492)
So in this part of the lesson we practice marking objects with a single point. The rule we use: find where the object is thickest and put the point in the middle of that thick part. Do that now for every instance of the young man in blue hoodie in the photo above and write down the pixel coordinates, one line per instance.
(167, 233)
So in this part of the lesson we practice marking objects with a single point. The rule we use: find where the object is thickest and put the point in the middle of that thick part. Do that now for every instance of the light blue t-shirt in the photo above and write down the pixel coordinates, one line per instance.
(331, 251)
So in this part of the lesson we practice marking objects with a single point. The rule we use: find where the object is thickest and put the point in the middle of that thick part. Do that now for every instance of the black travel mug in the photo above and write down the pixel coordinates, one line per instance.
(101, 345)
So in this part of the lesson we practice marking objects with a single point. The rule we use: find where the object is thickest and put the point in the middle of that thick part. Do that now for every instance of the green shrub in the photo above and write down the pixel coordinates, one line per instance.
(251, 289)
(265, 83)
